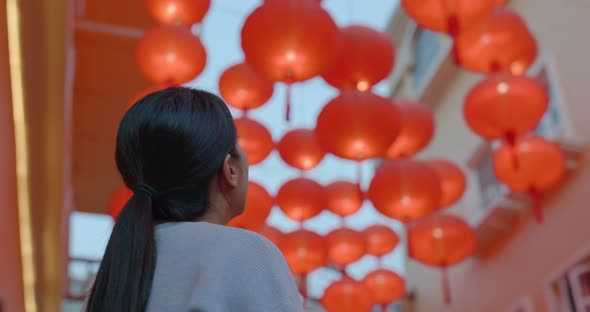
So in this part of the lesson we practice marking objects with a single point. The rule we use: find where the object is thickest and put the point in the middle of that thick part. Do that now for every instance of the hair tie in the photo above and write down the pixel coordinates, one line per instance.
(146, 189)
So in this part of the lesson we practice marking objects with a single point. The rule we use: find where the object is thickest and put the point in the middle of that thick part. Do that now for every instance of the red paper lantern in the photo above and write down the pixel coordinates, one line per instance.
(243, 88)
(501, 42)
(381, 240)
(290, 40)
(505, 107)
(301, 199)
(417, 129)
(271, 233)
(345, 246)
(344, 198)
(300, 149)
(258, 205)
(452, 181)
(358, 125)
(366, 57)
(304, 251)
(170, 55)
(448, 16)
(405, 190)
(442, 241)
(347, 295)
(254, 138)
(532, 165)
(175, 12)
(386, 286)
(118, 200)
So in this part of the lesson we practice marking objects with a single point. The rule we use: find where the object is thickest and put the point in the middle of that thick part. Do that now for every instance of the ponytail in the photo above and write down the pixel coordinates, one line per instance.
(124, 279)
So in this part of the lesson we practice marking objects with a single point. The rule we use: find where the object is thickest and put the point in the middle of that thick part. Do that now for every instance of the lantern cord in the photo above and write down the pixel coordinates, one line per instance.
(511, 141)
(303, 288)
(495, 67)
(453, 29)
(446, 286)
(288, 102)
(537, 209)
(359, 172)
(384, 308)
(244, 112)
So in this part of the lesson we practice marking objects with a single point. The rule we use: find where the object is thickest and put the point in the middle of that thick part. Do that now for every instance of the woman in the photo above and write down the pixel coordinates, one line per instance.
(169, 249)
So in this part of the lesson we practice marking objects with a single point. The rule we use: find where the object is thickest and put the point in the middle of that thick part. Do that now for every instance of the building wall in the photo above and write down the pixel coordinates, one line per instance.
(11, 287)
(534, 253)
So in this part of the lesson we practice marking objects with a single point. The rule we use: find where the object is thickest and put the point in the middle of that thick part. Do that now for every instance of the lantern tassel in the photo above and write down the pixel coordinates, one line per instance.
(453, 25)
(446, 286)
(288, 102)
(537, 209)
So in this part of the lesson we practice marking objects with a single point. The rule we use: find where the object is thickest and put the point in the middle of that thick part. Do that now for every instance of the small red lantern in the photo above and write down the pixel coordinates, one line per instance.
(452, 181)
(258, 205)
(304, 251)
(118, 200)
(271, 233)
(446, 16)
(175, 12)
(366, 57)
(347, 295)
(417, 129)
(504, 106)
(300, 149)
(254, 138)
(386, 286)
(442, 241)
(170, 55)
(243, 88)
(301, 199)
(358, 125)
(532, 165)
(501, 42)
(345, 246)
(405, 190)
(344, 198)
(381, 240)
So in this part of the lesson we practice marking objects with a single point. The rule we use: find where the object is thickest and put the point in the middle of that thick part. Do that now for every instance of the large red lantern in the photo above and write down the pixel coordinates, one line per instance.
(344, 198)
(243, 88)
(386, 286)
(304, 251)
(170, 55)
(501, 42)
(503, 106)
(417, 129)
(358, 125)
(345, 246)
(347, 295)
(175, 12)
(258, 205)
(301, 199)
(452, 181)
(300, 149)
(118, 200)
(533, 165)
(405, 190)
(381, 240)
(442, 241)
(451, 17)
(366, 57)
(290, 40)
(254, 138)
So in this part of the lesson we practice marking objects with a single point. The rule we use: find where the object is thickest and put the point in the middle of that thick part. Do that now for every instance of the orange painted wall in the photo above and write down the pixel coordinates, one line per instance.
(523, 265)
(11, 287)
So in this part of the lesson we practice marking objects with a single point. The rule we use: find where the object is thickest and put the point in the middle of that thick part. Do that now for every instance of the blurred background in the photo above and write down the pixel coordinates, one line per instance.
(405, 155)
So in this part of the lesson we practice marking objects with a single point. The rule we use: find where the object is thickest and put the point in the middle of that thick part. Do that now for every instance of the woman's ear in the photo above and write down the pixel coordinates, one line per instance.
(230, 172)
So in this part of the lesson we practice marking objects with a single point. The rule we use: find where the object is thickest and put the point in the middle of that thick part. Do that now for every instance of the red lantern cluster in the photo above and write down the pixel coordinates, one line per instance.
(258, 206)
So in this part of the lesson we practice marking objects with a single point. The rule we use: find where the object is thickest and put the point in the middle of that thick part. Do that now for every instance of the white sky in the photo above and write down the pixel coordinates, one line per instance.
(221, 37)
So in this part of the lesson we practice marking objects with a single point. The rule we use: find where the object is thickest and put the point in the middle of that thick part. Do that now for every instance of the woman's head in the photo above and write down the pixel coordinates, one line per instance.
(181, 142)
(177, 150)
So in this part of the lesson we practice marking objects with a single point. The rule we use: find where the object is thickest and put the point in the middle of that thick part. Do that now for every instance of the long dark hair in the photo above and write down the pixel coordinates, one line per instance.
(170, 145)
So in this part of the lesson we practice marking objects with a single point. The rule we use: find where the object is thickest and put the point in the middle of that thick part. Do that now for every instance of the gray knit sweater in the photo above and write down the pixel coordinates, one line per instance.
(204, 267)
